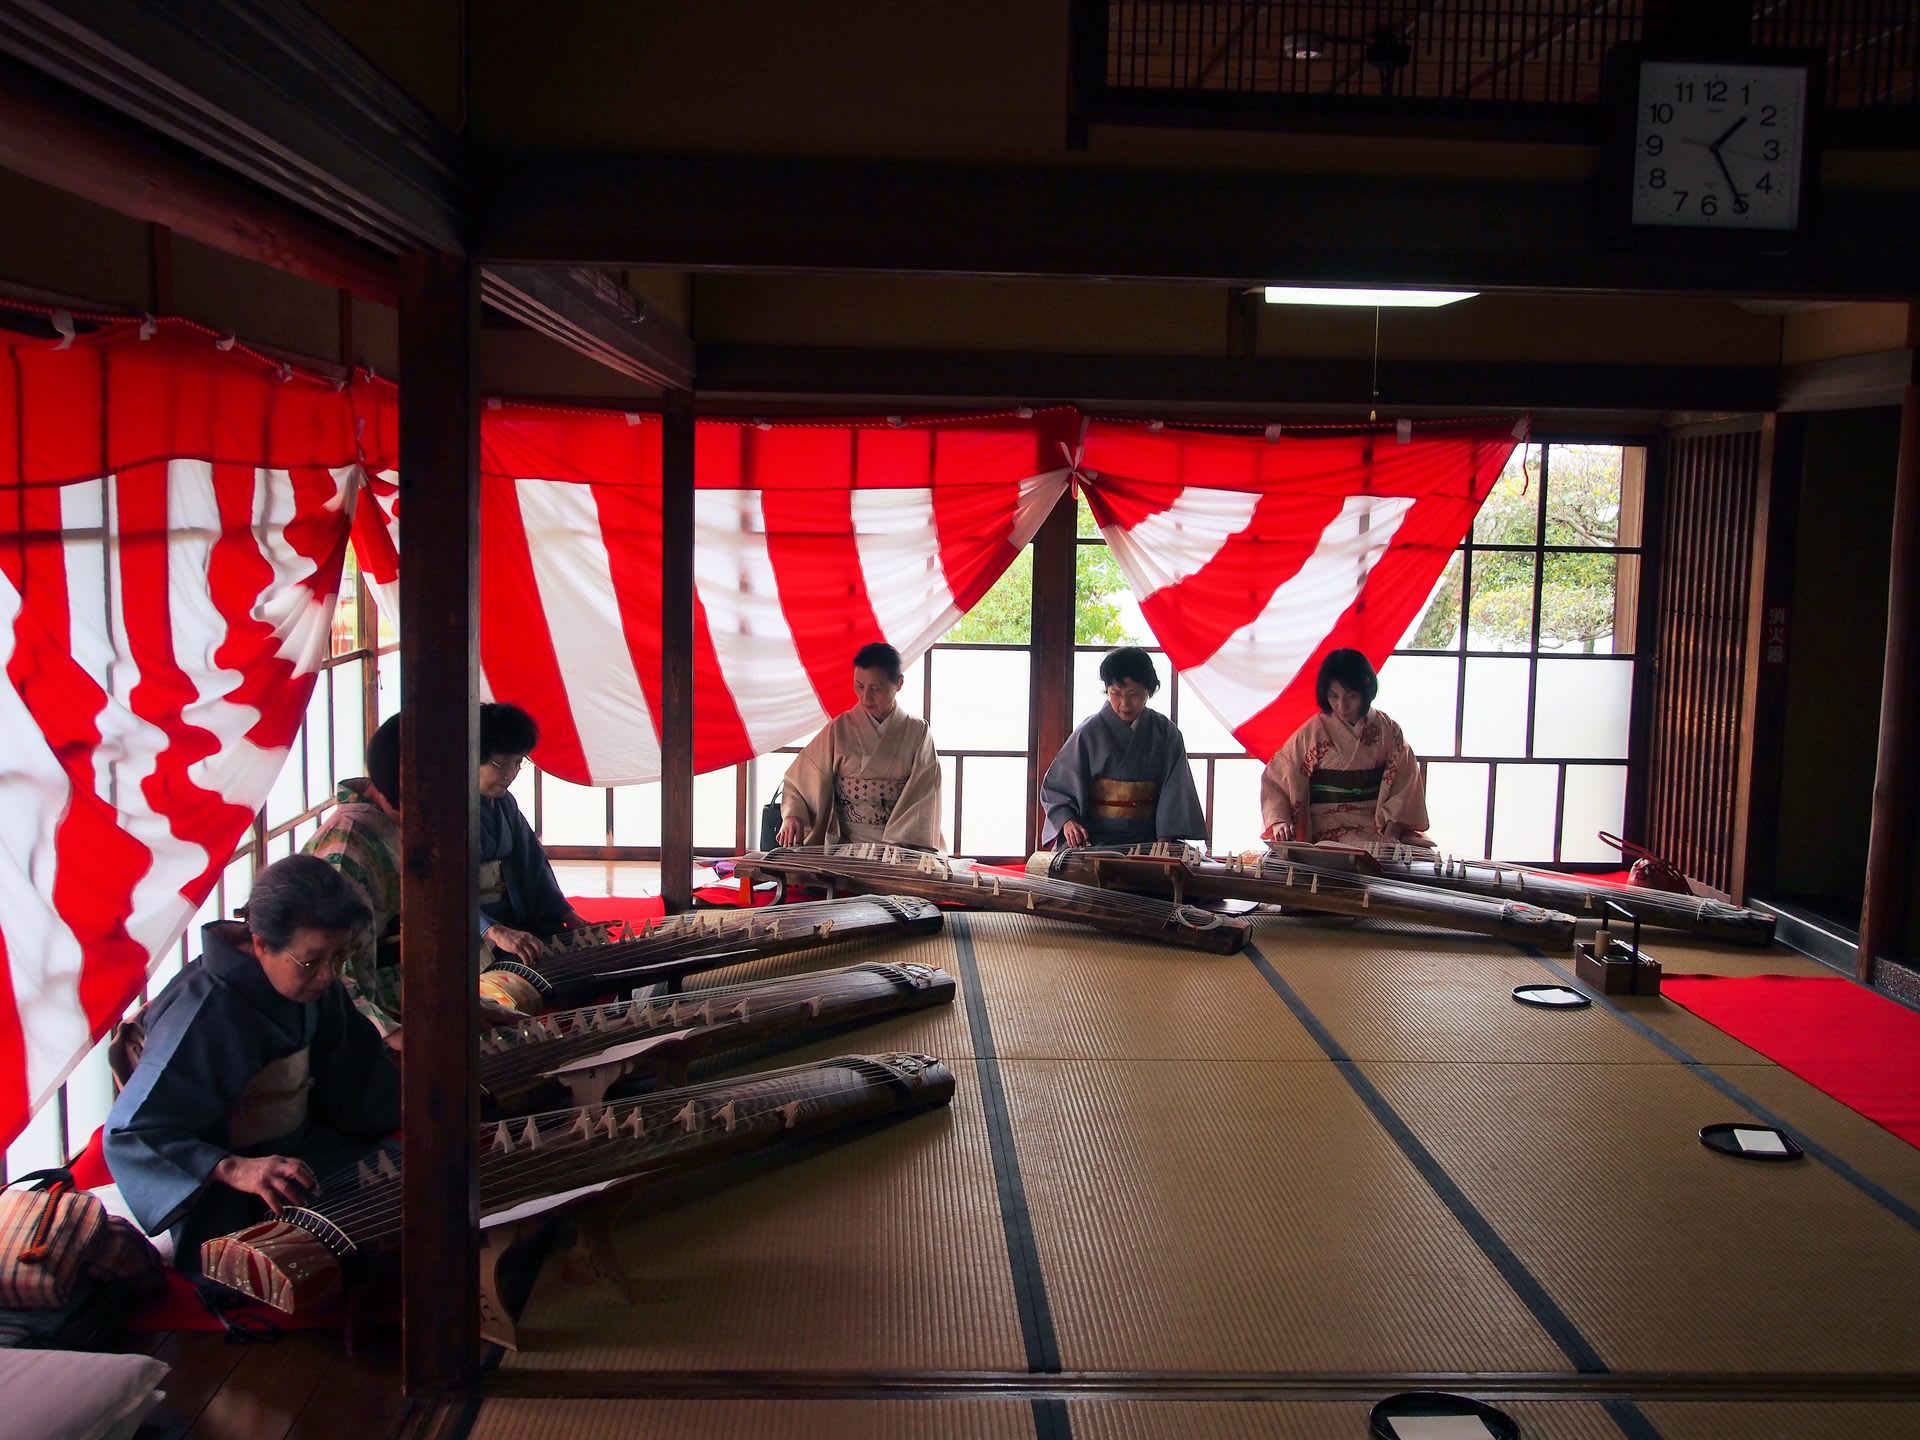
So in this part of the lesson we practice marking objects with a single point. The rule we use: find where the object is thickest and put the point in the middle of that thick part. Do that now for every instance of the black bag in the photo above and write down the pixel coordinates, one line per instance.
(770, 819)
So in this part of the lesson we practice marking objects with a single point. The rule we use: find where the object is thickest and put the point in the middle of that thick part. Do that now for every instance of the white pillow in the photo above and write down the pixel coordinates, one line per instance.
(75, 1395)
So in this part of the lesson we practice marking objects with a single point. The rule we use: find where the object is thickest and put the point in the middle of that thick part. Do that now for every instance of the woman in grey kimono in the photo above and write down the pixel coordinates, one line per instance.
(1122, 777)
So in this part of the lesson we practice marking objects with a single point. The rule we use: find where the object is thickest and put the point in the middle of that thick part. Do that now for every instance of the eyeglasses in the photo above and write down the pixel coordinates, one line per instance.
(335, 960)
(506, 768)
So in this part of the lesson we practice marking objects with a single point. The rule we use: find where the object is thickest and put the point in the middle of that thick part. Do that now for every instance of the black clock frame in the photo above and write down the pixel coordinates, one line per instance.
(1619, 110)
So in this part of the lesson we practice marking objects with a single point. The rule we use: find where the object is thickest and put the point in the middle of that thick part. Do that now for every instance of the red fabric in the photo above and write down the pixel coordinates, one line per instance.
(617, 907)
(1861, 1048)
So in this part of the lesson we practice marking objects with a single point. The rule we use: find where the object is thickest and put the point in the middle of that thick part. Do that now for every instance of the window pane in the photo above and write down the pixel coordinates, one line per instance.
(1236, 804)
(319, 741)
(345, 631)
(1201, 728)
(1500, 612)
(302, 833)
(1580, 709)
(714, 801)
(980, 699)
(238, 881)
(571, 814)
(1419, 692)
(636, 814)
(1511, 515)
(1523, 806)
(284, 801)
(1496, 708)
(1457, 807)
(349, 720)
(1583, 495)
(1437, 626)
(38, 1146)
(1596, 801)
(1105, 612)
(389, 671)
(1578, 605)
(523, 789)
(1005, 613)
(1084, 525)
(913, 689)
(994, 807)
(89, 1096)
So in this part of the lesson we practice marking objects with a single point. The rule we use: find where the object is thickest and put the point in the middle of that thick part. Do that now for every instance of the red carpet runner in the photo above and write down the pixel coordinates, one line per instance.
(1861, 1048)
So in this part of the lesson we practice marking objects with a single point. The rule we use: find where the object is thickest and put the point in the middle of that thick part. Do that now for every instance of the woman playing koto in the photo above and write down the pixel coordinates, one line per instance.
(1122, 777)
(1347, 775)
(871, 774)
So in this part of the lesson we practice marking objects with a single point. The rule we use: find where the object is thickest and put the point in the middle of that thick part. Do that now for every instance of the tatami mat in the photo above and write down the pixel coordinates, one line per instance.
(1301, 1420)
(1874, 1151)
(1787, 1420)
(1059, 991)
(885, 1252)
(1245, 1216)
(754, 1420)
(1399, 997)
(1664, 1253)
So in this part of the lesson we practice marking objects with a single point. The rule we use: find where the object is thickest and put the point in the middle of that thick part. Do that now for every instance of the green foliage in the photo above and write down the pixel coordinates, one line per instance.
(1577, 591)
(1005, 613)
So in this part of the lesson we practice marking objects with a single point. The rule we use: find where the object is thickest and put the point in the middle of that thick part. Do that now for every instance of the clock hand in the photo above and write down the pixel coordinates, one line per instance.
(1720, 160)
(1727, 135)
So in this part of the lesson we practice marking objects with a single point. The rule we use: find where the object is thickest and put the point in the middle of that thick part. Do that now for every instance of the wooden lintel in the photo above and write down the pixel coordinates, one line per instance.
(439, 744)
(1032, 377)
(720, 213)
(268, 91)
(50, 135)
(590, 312)
(1850, 382)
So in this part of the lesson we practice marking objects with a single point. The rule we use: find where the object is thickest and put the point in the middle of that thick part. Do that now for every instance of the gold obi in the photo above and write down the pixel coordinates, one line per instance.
(1124, 802)
(273, 1104)
(493, 883)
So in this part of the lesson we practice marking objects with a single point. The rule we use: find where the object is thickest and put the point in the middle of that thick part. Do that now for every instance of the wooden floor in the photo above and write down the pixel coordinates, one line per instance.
(1186, 1195)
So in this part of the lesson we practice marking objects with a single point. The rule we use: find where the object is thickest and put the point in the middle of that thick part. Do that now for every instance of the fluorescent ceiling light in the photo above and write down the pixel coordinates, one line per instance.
(1388, 299)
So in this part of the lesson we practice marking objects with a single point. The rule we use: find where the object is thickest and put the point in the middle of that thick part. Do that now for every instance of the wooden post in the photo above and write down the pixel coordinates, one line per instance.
(676, 651)
(1050, 711)
(1753, 656)
(439, 741)
(1638, 814)
(1883, 916)
(1763, 723)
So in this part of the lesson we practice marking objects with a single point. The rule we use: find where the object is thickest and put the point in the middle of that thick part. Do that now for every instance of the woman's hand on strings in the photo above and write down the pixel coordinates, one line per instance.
(517, 943)
(280, 1180)
(1280, 830)
(1074, 833)
(790, 832)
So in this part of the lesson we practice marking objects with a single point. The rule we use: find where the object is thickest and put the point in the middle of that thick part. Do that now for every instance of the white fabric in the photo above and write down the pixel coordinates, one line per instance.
(75, 1395)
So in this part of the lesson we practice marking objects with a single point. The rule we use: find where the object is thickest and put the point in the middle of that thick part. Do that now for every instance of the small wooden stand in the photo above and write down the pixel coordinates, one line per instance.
(1613, 968)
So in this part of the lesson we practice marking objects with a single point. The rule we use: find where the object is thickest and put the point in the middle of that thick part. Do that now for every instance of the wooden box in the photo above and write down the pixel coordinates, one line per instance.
(1615, 969)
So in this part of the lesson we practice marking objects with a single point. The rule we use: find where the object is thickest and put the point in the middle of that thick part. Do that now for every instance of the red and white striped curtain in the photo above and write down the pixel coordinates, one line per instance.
(1253, 556)
(811, 539)
(173, 521)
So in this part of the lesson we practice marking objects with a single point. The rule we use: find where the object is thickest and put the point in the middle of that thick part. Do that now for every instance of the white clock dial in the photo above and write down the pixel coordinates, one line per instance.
(1719, 147)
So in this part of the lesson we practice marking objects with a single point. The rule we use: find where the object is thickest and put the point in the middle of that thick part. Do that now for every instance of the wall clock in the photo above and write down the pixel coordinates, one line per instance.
(1712, 146)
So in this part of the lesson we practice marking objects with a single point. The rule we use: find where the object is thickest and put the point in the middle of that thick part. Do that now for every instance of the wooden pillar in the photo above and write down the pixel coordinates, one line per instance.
(676, 652)
(439, 741)
(1763, 723)
(1050, 689)
(1883, 916)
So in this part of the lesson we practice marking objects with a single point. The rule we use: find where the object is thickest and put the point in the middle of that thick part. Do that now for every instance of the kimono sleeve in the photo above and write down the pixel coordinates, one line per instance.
(163, 1135)
(356, 1083)
(1063, 790)
(806, 794)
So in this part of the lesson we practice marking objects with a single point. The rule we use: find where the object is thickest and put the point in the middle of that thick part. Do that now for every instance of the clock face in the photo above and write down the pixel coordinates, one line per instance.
(1719, 146)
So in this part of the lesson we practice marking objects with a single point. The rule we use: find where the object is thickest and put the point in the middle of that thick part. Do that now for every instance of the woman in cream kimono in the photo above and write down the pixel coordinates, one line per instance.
(1347, 775)
(871, 774)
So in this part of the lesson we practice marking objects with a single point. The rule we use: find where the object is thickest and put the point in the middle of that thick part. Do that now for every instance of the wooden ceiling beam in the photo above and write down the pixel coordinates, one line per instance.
(745, 373)
(590, 312)
(268, 91)
(729, 213)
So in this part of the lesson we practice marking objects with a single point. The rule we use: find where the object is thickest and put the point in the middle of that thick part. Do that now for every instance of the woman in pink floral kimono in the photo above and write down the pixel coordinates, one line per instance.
(1347, 775)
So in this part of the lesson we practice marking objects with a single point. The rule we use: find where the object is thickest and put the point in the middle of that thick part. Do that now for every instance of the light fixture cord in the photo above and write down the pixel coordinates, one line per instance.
(1373, 410)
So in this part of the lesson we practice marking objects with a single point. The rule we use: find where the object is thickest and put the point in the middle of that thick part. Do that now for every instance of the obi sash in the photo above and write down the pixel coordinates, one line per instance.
(865, 804)
(1346, 787)
(493, 884)
(274, 1103)
(1124, 802)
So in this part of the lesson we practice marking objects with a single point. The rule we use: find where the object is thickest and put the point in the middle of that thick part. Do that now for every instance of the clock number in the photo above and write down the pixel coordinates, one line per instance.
(1771, 150)
(1746, 94)
(1708, 205)
(1765, 182)
(1680, 200)
(1660, 113)
(1655, 144)
(1683, 91)
(1716, 90)
(1768, 114)
(1657, 178)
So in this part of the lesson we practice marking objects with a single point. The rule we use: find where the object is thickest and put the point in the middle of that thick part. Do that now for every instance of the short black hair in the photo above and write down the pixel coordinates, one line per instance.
(879, 656)
(383, 759)
(1130, 662)
(302, 892)
(1351, 669)
(506, 730)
